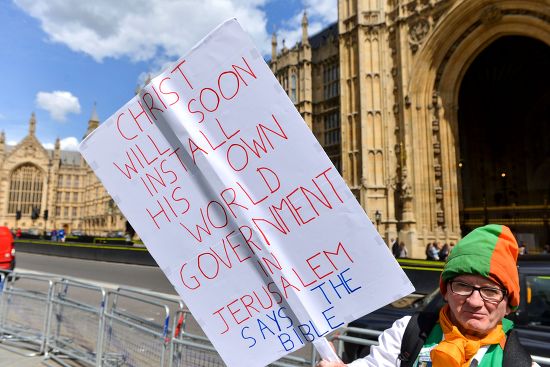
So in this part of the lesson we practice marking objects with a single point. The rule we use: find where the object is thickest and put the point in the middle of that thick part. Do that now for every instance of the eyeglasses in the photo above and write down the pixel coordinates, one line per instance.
(489, 294)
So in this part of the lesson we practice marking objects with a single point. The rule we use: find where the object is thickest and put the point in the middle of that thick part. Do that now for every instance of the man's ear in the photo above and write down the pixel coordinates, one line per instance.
(508, 309)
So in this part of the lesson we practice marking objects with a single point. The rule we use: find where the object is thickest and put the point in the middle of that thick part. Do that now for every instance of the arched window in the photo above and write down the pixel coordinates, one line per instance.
(293, 88)
(25, 189)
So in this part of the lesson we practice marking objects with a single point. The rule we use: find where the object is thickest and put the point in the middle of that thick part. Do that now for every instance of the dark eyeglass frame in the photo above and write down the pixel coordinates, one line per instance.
(479, 289)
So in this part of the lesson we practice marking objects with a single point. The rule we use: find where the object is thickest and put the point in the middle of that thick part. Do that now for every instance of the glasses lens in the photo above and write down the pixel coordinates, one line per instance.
(462, 289)
(492, 294)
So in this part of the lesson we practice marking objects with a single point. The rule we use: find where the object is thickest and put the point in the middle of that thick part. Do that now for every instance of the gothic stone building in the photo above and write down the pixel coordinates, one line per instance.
(57, 185)
(436, 112)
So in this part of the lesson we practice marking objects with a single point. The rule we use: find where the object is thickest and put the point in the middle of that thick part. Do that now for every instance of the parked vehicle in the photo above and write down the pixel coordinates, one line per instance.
(115, 234)
(7, 250)
(532, 318)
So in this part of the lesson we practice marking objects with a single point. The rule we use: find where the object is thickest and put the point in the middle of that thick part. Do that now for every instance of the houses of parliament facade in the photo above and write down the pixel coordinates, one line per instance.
(435, 112)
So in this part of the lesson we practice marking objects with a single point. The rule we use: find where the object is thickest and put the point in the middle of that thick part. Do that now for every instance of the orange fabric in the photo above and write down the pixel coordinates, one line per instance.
(456, 349)
(504, 259)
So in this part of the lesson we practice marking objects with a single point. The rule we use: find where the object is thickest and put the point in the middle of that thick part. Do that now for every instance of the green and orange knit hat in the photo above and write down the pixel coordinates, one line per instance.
(490, 251)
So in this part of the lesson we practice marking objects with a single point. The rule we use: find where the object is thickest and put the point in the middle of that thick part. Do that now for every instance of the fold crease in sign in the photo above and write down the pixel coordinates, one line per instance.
(228, 188)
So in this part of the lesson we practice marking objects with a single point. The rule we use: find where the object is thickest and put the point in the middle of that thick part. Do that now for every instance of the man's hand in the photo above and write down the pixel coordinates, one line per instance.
(324, 363)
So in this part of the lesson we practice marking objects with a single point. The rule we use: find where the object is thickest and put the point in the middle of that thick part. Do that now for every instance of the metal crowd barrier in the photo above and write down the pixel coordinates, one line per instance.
(70, 321)
(132, 339)
(76, 322)
(24, 309)
(191, 349)
(196, 350)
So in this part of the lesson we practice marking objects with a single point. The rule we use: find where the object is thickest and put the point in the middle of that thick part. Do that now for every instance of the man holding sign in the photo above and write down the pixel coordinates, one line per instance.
(240, 206)
(480, 283)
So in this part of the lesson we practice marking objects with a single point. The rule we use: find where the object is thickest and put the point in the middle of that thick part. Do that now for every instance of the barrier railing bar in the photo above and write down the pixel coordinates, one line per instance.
(141, 300)
(137, 326)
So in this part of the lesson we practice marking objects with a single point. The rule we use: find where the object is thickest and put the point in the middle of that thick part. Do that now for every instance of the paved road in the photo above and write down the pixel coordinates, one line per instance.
(146, 277)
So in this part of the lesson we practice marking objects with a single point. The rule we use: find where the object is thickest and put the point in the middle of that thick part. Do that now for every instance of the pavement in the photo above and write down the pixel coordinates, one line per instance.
(19, 355)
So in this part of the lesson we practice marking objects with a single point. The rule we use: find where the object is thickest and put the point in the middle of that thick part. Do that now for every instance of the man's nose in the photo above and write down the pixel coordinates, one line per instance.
(475, 298)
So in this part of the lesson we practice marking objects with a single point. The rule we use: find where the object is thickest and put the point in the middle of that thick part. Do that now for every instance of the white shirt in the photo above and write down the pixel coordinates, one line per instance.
(389, 346)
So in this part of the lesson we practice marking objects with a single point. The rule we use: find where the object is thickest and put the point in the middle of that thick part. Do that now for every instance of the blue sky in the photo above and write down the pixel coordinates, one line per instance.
(59, 57)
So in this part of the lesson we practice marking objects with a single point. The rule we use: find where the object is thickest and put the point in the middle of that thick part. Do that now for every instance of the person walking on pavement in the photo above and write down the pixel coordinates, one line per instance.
(432, 252)
(444, 252)
(394, 247)
(402, 251)
(61, 235)
(480, 284)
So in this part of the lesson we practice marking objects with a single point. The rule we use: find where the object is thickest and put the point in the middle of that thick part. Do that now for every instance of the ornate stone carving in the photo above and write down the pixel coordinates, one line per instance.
(435, 99)
(491, 15)
(406, 188)
(395, 109)
(407, 102)
(440, 217)
(437, 170)
(411, 7)
(371, 17)
(418, 30)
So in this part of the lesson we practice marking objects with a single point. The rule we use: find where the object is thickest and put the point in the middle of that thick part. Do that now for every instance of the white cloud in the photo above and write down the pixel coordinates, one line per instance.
(70, 143)
(142, 29)
(58, 104)
(11, 142)
(325, 10)
(320, 13)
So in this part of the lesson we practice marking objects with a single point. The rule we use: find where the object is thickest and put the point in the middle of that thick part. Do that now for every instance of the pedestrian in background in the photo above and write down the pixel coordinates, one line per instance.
(444, 252)
(394, 247)
(432, 252)
(61, 235)
(428, 250)
(403, 253)
(522, 248)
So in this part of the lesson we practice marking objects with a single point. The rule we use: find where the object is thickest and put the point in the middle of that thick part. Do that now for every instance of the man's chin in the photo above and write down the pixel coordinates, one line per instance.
(476, 327)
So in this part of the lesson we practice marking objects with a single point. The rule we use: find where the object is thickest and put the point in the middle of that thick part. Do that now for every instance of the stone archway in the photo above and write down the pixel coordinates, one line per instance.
(431, 121)
(503, 125)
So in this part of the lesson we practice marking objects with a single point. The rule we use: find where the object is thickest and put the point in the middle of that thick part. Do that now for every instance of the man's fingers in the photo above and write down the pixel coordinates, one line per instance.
(324, 363)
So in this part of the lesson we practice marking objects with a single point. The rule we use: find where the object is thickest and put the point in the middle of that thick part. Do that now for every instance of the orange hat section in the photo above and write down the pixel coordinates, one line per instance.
(503, 268)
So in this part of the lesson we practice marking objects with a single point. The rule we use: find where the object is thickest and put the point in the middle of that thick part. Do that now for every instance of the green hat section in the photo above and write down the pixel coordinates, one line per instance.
(472, 254)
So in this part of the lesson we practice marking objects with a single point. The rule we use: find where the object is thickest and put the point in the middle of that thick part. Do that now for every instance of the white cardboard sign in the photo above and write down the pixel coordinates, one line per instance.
(240, 206)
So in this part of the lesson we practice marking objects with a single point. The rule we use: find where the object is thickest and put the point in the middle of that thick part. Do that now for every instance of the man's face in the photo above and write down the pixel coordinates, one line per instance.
(472, 314)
